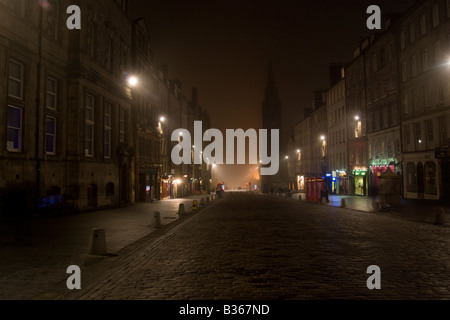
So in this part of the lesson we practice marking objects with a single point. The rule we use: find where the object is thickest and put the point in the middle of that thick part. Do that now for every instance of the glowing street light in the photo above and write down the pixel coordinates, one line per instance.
(132, 81)
(162, 119)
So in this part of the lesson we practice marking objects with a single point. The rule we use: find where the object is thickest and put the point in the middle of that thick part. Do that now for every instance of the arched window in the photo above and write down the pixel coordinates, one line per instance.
(420, 178)
(411, 177)
(430, 178)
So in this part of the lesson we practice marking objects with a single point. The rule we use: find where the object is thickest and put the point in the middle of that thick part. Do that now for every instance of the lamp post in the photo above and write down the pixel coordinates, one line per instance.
(124, 148)
(323, 155)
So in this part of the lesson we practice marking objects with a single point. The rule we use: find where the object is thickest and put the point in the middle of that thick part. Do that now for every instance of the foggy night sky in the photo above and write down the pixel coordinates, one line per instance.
(223, 48)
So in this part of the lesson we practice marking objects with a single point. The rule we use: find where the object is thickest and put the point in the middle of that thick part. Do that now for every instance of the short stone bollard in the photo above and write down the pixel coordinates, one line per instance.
(181, 209)
(342, 203)
(157, 217)
(97, 245)
(208, 199)
(202, 201)
(440, 216)
(300, 197)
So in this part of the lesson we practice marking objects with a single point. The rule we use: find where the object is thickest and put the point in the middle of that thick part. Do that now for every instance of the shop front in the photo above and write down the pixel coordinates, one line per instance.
(360, 182)
(422, 177)
(165, 188)
(301, 183)
(339, 182)
(375, 173)
(148, 185)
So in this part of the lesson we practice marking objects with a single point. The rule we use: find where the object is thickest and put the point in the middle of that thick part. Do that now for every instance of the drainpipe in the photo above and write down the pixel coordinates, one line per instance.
(38, 108)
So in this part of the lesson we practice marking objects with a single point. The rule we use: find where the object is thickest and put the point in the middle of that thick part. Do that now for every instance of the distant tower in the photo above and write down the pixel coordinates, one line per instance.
(271, 119)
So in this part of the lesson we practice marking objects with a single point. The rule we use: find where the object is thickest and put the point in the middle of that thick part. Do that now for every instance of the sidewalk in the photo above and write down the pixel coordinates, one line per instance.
(419, 210)
(54, 243)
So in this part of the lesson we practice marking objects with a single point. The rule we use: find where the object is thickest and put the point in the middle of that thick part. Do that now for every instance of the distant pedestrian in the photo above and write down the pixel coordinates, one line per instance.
(324, 194)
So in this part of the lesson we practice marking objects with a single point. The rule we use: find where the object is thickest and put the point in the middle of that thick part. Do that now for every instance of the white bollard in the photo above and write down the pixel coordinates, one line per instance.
(157, 216)
(181, 209)
(97, 245)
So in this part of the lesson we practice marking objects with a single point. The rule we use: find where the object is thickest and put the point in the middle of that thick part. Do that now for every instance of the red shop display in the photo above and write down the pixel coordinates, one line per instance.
(314, 187)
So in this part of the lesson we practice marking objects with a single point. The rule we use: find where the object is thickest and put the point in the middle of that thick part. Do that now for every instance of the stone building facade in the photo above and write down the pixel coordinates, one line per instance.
(425, 100)
(74, 130)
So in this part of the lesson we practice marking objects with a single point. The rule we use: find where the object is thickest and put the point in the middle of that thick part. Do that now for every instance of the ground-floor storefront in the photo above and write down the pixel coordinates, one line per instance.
(377, 171)
(425, 177)
(358, 182)
(148, 185)
(338, 182)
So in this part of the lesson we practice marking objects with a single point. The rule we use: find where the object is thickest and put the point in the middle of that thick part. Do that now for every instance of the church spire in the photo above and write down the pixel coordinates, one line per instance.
(270, 75)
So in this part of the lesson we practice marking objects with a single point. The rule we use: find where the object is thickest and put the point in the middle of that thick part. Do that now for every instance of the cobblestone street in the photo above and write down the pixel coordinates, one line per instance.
(250, 246)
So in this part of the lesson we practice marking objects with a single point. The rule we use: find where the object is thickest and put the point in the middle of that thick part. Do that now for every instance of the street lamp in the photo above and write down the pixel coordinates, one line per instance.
(132, 81)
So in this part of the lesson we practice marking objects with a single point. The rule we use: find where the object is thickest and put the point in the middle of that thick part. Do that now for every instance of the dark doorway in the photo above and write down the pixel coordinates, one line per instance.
(142, 186)
(92, 196)
(420, 180)
(124, 183)
(445, 180)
